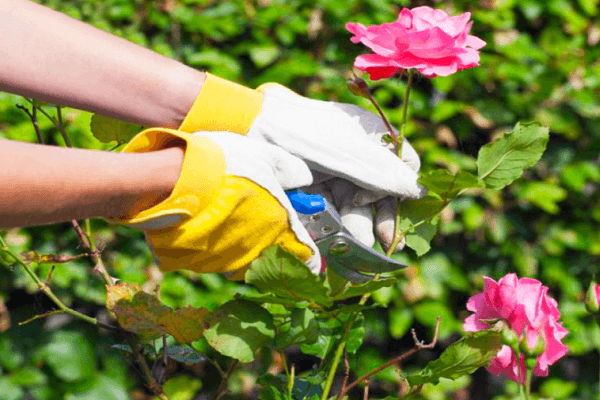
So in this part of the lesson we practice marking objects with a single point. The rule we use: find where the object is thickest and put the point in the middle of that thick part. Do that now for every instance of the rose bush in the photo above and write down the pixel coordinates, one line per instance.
(422, 38)
(525, 305)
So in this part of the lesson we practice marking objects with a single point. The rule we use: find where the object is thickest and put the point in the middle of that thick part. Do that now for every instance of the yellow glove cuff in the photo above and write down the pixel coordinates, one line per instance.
(223, 106)
(202, 173)
(234, 228)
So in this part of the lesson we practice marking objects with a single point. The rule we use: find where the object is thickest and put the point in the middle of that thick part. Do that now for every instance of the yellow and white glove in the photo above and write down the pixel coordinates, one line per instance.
(335, 140)
(228, 204)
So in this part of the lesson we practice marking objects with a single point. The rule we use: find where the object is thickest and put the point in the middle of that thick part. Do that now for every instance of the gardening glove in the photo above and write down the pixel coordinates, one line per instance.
(228, 204)
(340, 140)
(334, 139)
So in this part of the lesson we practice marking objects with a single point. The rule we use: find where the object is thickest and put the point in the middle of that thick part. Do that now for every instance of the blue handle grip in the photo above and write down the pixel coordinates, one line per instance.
(306, 203)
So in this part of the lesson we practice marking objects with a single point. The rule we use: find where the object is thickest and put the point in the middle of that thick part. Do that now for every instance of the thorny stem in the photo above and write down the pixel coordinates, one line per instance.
(418, 346)
(398, 234)
(46, 289)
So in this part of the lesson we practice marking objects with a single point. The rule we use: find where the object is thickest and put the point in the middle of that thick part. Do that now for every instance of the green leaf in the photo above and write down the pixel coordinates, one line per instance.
(9, 390)
(184, 354)
(460, 358)
(399, 322)
(28, 376)
(330, 333)
(424, 212)
(108, 130)
(143, 314)
(368, 287)
(239, 328)
(501, 162)
(181, 387)
(281, 273)
(557, 389)
(262, 56)
(544, 195)
(68, 354)
(303, 328)
(448, 185)
(103, 387)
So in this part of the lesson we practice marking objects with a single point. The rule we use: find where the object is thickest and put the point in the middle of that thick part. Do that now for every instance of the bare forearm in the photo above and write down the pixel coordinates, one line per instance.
(46, 184)
(58, 59)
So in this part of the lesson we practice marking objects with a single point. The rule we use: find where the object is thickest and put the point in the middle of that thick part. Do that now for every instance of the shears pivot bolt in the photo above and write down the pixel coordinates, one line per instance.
(339, 247)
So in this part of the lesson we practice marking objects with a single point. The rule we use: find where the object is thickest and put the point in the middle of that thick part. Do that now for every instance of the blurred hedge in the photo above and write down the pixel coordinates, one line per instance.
(540, 63)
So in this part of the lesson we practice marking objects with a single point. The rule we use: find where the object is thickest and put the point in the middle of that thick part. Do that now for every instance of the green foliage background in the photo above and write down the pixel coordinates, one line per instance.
(540, 63)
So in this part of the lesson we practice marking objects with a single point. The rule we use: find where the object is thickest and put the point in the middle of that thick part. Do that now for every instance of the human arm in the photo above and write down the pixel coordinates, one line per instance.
(61, 60)
(47, 184)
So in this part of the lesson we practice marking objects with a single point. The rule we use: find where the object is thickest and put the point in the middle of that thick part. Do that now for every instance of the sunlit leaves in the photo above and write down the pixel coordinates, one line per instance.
(108, 130)
(239, 328)
(281, 273)
(143, 314)
(501, 162)
(463, 357)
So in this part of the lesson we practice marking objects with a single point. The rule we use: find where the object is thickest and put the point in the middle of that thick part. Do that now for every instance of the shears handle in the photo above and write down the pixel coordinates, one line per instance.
(306, 204)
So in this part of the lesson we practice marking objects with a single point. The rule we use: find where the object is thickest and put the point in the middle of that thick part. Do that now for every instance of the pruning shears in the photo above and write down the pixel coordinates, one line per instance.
(348, 257)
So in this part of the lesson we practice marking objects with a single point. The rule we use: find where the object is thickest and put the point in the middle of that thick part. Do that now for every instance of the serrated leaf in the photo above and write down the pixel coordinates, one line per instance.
(281, 273)
(186, 324)
(501, 162)
(135, 310)
(143, 314)
(460, 358)
(422, 213)
(184, 354)
(107, 130)
(303, 328)
(330, 333)
(448, 185)
(239, 328)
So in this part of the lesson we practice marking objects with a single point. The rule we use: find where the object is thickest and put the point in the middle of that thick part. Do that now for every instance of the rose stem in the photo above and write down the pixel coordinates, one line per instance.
(397, 231)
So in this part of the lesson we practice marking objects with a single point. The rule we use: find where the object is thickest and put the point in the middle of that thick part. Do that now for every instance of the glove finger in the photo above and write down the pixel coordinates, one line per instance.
(385, 223)
(410, 156)
(358, 220)
(363, 196)
(247, 157)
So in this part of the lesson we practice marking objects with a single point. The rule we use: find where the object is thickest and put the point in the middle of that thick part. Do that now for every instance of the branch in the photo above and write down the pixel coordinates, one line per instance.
(419, 345)
(33, 117)
(141, 360)
(222, 389)
(46, 289)
(346, 374)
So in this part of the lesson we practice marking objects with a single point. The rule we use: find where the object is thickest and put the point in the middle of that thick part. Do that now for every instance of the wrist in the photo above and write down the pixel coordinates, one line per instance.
(159, 173)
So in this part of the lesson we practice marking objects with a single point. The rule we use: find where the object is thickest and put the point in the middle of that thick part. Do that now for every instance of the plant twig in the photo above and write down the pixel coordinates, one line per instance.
(366, 390)
(359, 86)
(346, 374)
(398, 235)
(419, 345)
(223, 386)
(46, 289)
(141, 360)
(33, 117)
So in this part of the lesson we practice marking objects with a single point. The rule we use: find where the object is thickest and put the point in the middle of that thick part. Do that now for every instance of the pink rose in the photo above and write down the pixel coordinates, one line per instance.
(422, 38)
(524, 304)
